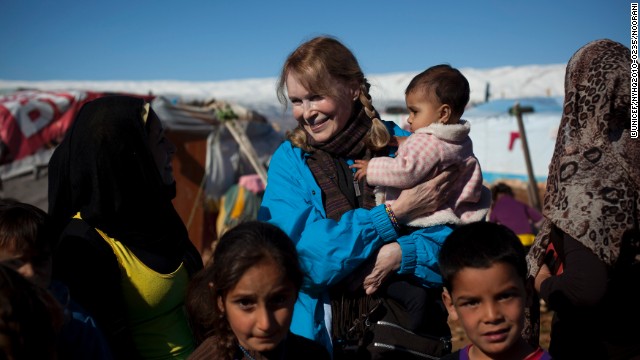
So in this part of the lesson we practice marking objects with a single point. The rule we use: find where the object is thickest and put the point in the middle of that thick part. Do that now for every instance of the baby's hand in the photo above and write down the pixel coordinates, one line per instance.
(397, 140)
(361, 165)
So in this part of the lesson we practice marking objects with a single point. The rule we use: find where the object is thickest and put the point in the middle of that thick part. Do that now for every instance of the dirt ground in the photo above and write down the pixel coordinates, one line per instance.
(30, 188)
(459, 339)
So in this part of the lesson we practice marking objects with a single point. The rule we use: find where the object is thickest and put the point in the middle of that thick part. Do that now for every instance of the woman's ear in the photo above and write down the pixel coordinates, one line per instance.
(354, 90)
(355, 93)
(448, 303)
(220, 304)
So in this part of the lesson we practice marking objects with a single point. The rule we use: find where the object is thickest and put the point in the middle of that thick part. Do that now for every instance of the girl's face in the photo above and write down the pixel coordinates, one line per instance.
(259, 308)
(321, 116)
(161, 148)
(489, 303)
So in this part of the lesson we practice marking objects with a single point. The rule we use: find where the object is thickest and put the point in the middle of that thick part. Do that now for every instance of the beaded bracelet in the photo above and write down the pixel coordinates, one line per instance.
(392, 216)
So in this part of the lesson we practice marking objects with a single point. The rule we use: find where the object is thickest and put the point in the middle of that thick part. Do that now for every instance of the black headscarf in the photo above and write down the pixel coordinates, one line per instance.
(104, 169)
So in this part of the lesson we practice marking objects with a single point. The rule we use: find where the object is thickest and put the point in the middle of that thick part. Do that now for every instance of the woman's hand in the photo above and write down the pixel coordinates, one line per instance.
(543, 274)
(388, 259)
(423, 199)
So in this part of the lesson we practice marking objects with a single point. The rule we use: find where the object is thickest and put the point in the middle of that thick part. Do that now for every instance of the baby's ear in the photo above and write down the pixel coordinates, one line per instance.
(444, 114)
(448, 303)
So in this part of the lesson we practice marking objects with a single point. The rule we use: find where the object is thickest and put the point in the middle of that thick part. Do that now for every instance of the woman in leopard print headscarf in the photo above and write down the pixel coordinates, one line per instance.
(591, 208)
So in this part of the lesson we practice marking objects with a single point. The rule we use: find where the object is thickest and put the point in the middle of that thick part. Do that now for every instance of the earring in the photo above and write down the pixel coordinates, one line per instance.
(356, 96)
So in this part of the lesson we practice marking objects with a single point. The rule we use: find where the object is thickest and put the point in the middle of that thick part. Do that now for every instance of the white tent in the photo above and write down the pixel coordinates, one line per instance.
(496, 138)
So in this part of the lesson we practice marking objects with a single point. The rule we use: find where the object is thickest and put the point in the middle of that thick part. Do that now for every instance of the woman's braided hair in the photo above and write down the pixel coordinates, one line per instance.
(319, 63)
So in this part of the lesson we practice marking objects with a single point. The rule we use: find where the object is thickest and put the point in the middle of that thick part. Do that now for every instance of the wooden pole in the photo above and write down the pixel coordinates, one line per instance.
(534, 198)
(248, 150)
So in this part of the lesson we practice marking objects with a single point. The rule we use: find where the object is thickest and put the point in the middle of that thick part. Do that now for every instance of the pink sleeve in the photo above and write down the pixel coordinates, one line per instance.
(415, 158)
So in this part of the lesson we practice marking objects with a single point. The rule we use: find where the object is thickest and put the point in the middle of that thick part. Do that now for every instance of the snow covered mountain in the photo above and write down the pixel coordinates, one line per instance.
(511, 82)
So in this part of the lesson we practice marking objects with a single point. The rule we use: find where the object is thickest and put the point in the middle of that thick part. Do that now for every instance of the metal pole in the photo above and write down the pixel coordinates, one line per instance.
(533, 185)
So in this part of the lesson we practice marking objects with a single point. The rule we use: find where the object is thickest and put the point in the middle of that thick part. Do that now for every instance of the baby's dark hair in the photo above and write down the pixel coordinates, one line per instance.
(238, 250)
(25, 229)
(446, 83)
(480, 245)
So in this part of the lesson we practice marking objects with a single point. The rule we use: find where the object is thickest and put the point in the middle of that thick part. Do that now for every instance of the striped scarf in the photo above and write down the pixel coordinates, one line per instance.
(328, 165)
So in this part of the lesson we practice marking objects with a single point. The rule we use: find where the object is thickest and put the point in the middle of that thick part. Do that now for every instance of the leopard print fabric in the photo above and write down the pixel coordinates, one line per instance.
(593, 183)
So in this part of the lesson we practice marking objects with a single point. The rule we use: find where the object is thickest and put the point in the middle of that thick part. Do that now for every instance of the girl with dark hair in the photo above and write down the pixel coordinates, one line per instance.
(241, 303)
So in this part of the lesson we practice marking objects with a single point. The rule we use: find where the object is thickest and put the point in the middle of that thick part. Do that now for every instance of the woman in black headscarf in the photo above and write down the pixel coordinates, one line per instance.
(122, 248)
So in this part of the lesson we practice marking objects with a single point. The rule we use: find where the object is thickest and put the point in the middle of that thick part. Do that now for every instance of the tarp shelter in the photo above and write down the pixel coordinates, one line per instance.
(32, 123)
(208, 161)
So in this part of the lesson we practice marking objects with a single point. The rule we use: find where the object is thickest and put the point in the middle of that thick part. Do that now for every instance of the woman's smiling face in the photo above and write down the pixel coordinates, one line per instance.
(323, 117)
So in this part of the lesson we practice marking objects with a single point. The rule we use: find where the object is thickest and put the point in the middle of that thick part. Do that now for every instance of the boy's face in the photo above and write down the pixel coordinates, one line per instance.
(424, 110)
(38, 271)
(489, 304)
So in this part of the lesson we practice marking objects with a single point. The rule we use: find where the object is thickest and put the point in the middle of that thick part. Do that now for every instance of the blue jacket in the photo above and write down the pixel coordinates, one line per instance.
(330, 250)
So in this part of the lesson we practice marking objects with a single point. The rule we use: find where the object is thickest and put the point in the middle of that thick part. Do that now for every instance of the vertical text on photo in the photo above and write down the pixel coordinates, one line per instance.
(634, 70)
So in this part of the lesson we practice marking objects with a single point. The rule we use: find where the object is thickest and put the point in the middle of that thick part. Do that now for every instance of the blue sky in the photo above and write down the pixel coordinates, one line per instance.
(237, 39)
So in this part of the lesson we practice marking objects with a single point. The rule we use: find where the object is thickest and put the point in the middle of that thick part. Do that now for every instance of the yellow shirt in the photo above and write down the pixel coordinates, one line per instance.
(155, 302)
